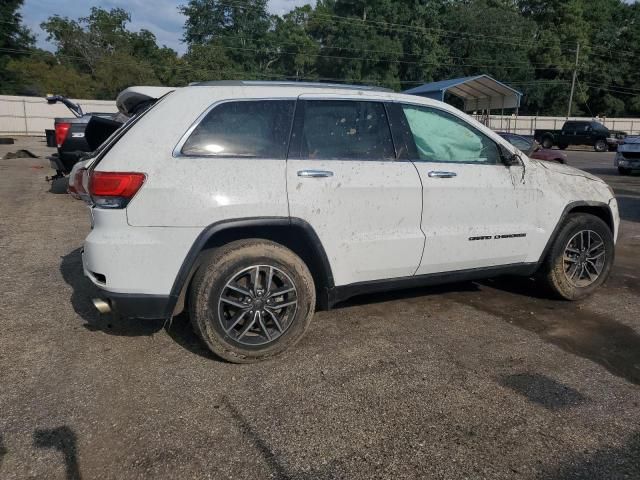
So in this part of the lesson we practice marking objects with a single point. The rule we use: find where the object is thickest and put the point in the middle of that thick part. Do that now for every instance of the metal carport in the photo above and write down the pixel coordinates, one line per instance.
(478, 93)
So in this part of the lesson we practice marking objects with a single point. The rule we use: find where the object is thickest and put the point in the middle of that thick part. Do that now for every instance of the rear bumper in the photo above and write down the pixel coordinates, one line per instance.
(138, 305)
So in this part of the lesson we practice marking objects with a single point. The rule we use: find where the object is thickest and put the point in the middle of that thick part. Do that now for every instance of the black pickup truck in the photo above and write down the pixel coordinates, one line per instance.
(580, 132)
(73, 135)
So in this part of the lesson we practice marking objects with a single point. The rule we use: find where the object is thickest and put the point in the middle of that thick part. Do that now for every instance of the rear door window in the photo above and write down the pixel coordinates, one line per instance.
(253, 129)
(345, 130)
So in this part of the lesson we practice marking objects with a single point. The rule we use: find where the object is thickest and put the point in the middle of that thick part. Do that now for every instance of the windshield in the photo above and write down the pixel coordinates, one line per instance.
(518, 142)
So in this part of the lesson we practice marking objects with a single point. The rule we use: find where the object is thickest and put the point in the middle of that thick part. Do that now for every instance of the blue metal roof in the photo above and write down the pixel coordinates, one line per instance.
(479, 92)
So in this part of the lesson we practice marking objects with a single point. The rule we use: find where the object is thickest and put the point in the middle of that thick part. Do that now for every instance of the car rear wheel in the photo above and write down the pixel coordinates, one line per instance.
(624, 171)
(601, 146)
(580, 258)
(251, 300)
(547, 142)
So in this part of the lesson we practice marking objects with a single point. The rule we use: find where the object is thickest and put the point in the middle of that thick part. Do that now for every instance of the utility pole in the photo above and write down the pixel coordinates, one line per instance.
(573, 83)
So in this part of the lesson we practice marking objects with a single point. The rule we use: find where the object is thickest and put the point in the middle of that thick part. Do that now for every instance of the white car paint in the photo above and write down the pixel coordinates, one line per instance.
(376, 220)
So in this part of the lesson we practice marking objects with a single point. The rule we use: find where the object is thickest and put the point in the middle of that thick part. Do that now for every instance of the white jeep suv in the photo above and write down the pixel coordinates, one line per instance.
(251, 203)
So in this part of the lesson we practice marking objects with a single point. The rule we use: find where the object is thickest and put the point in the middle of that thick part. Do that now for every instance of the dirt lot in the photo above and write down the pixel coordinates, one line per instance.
(474, 380)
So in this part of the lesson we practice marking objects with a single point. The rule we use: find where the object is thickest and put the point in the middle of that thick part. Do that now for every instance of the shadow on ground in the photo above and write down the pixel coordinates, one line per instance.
(611, 463)
(543, 390)
(279, 469)
(3, 450)
(568, 325)
(396, 295)
(179, 328)
(629, 207)
(63, 439)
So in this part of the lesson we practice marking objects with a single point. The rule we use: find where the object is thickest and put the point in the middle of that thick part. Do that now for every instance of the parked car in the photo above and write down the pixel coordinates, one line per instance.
(76, 137)
(70, 138)
(576, 132)
(533, 149)
(628, 157)
(250, 203)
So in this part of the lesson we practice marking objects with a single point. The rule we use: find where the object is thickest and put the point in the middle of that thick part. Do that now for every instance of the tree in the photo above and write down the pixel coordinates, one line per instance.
(15, 41)
(239, 29)
(101, 46)
(41, 74)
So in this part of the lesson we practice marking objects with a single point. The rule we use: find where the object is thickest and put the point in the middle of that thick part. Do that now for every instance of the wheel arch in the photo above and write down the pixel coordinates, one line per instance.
(598, 209)
(293, 233)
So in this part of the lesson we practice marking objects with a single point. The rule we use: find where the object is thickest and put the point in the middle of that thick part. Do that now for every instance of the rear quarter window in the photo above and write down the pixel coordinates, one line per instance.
(253, 129)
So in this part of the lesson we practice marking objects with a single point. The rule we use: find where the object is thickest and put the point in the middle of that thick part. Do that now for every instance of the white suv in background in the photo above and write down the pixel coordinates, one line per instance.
(249, 203)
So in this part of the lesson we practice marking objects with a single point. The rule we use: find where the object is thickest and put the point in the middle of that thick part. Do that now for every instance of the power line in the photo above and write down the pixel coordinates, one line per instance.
(613, 90)
(333, 57)
(400, 26)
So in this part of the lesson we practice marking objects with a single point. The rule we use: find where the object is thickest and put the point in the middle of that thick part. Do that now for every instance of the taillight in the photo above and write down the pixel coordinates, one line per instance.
(114, 189)
(78, 180)
(76, 186)
(62, 130)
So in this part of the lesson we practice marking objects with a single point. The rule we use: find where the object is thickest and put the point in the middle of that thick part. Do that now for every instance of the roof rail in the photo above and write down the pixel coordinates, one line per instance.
(287, 83)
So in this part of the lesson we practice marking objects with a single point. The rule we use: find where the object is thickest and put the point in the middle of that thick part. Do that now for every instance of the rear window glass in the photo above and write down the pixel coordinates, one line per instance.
(243, 129)
(346, 130)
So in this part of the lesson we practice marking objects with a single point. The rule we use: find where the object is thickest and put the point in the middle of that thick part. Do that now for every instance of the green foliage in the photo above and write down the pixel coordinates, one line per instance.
(41, 74)
(530, 44)
(14, 39)
(110, 56)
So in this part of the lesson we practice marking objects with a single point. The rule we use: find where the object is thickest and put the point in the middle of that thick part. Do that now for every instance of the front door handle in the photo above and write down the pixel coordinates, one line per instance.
(436, 174)
(314, 173)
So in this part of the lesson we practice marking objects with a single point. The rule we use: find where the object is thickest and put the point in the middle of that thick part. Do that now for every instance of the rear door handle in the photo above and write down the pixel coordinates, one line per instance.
(436, 174)
(314, 173)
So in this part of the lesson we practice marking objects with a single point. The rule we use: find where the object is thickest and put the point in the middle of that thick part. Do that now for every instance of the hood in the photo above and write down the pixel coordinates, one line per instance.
(630, 144)
(130, 99)
(567, 170)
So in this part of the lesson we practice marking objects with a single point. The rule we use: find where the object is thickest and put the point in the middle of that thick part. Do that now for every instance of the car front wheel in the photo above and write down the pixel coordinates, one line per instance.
(601, 146)
(580, 257)
(251, 300)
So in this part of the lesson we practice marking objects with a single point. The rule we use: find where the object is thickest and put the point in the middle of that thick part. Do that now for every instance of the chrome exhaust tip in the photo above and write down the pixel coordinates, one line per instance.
(103, 306)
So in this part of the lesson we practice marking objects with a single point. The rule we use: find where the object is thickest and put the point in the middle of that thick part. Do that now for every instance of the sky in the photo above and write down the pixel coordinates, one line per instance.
(159, 16)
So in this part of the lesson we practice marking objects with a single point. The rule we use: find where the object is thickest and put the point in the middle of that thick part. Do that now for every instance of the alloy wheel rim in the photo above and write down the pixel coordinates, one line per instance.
(257, 305)
(584, 258)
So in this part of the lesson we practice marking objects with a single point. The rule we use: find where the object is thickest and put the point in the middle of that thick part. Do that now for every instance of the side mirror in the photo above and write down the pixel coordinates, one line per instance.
(510, 159)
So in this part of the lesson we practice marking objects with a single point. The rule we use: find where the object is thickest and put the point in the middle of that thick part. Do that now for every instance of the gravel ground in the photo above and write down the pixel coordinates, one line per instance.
(473, 380)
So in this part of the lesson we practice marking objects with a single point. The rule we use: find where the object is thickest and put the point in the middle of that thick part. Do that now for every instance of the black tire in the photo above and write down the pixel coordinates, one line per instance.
(547, 142)
(601, 146)
(624, 171)
(560, 160)
(210, 315)
(555, 270)
(59, 185)
(563, 146)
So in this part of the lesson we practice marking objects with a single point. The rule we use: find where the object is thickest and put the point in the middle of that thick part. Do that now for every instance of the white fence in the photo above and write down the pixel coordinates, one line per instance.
(524, 125)
(32, 115)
